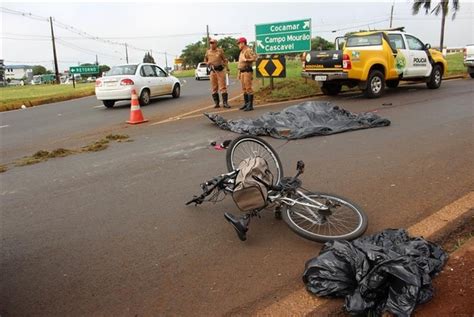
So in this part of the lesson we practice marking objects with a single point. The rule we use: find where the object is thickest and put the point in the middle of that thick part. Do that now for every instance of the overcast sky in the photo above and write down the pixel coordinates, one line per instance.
(170, 26)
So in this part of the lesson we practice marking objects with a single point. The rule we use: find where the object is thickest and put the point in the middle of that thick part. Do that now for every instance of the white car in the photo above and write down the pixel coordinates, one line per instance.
(148, 80)
(201, 72)
(469, 59)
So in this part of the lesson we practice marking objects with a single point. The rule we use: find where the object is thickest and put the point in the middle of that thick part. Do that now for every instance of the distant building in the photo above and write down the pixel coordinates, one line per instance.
(2, 73)
(18, 72)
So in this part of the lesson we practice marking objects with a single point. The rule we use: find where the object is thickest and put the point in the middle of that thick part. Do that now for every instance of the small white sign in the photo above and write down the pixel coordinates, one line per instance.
(320, 77)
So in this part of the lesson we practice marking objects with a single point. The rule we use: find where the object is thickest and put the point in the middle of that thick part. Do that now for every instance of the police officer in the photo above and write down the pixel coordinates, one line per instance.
(217, 63)
(246, 59)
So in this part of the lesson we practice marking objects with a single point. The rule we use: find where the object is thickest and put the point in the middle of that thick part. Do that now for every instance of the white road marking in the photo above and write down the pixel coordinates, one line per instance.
(98, 106)
(4, 126)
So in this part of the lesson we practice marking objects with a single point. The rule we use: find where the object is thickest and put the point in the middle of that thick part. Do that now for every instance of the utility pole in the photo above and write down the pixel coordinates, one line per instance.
(126, 53)
(56, 70)
(207, 32)
(391, 16)
(96, 60)
(166, 61)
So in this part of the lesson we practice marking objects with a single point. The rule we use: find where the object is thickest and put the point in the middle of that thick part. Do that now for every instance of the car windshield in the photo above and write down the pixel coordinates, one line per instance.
(202, 65)
(122, 70)
(366, 40)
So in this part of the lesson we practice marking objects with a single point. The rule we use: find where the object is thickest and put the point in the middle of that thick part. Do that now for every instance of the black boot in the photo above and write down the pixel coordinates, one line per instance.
(246, 99)
(250, 105)
(216, 100)
(225, 97)
(240, 225)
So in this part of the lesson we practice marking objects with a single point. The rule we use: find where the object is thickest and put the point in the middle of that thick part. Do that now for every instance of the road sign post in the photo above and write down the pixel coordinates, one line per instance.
(82, 70)
(283, 37)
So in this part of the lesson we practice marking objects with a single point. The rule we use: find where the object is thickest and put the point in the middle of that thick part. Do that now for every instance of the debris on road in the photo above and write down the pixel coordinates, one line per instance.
(388, 271)
(224, 145)
(304, 120)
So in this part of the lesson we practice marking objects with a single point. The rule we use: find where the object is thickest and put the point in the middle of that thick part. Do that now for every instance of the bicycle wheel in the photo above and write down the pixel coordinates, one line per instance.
(246, 146)
(343, 220)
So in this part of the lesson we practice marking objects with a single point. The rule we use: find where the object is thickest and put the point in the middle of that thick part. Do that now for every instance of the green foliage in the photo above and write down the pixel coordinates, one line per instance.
(318, 44)
(194, 53)
(230, 47)
(103, 69)
(39, 70)
(148, 58)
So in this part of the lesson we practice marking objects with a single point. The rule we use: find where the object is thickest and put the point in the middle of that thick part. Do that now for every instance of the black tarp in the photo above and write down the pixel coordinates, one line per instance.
(304, 120)
(388, 271)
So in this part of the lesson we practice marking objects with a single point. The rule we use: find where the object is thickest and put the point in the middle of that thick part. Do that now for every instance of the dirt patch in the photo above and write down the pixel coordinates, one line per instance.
(3, 168)
(99, 145)
(44, 155)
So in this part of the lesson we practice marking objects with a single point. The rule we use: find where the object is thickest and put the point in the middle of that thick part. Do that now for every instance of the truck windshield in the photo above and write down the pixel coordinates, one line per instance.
(364, 40)
(122, 70)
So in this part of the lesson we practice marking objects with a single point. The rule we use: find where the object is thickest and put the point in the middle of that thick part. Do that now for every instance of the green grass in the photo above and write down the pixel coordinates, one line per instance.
(455, 64)
(33, 95)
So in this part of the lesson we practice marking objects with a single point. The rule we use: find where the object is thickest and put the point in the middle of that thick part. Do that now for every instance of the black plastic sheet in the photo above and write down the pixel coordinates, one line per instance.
(388, 271)
(301, 121)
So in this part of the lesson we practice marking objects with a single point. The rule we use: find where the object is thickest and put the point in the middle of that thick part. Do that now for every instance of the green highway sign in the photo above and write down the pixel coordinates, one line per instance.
(283, 37)
(84, 69)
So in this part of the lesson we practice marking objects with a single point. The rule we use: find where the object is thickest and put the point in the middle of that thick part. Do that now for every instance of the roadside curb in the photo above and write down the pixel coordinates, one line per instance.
(433, 227)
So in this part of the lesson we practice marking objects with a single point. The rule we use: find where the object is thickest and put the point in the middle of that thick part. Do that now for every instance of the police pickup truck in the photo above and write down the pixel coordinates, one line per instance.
(373, 60)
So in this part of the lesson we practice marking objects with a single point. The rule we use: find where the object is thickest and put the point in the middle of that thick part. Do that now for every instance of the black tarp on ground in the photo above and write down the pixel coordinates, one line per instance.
(388, 271)
(301, 121)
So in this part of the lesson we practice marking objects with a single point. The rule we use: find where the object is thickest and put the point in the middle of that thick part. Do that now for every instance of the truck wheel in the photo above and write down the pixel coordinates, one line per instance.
(435, 78)
(393, 83)
(375, 85)
(331, 89)
(108, 103)
(471, 74)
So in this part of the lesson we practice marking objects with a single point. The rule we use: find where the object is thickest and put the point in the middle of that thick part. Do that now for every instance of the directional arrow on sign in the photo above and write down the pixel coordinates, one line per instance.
(262, 69)
(259, 43)
(306, 25)
(278, 68)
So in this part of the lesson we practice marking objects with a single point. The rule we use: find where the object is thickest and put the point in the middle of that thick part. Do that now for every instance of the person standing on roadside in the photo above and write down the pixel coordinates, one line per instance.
(246, 59)
(217, 63)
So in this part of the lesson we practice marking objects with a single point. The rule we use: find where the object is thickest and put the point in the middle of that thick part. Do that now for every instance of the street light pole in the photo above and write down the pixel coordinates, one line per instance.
(56, 70)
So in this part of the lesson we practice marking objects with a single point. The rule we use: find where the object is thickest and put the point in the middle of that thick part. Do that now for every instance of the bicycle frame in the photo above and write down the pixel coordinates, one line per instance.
(274, 196)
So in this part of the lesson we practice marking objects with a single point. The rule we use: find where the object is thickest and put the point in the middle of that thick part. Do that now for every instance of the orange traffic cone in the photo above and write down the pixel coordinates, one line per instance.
(136, 115)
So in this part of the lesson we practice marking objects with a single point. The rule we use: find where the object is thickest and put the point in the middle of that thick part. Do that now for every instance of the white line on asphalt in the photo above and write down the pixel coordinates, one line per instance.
(4, 126)
(98, 106)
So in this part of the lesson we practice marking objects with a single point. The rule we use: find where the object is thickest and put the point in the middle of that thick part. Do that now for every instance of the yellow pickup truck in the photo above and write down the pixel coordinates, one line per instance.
(373, 60)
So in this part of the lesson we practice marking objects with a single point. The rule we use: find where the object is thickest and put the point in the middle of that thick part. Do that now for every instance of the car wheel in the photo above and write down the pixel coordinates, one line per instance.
(197, 78)
(471, 74)
(393, 83)
(375, 84)
(108, 103)
(331, 89)
(176, 91)
(145, 97)
(435, 78)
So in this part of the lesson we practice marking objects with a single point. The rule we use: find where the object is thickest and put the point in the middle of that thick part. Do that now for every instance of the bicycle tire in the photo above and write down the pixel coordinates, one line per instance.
(299, 226)
(254, 146)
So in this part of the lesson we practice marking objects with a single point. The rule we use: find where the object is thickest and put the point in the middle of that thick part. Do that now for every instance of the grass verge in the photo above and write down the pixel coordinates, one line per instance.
(34, 95)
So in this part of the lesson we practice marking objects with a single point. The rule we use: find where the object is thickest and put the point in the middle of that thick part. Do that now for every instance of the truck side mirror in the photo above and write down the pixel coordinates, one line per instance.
(427, 46)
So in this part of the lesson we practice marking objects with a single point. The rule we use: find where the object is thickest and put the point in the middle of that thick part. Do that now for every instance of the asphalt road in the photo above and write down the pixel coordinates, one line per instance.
(22, 132)
(107, 233)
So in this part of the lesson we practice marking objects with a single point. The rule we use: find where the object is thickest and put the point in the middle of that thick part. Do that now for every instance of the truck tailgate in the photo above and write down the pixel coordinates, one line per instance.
(323, 60)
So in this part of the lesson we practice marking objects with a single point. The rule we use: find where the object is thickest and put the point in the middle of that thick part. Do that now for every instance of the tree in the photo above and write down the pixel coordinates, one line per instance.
(442, 6)
(39, 70)
(230, 47)
(103, 69)
(194, 53)
(148, 58)
(318, 44)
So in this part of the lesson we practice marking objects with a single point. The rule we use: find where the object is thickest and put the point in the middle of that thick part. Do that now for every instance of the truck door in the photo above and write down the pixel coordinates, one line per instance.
(418, 61)
(397, 42)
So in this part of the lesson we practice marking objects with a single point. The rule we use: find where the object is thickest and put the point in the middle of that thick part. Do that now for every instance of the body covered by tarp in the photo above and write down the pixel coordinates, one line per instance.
(301, 121)
(388, 271)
